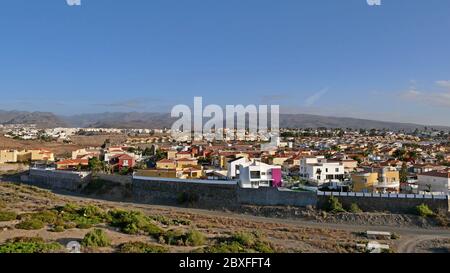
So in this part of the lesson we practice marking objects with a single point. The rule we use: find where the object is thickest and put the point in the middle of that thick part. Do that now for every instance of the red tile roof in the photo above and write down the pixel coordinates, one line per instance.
(187, 159)
(166, 161)
(444, 173)
(73, 162)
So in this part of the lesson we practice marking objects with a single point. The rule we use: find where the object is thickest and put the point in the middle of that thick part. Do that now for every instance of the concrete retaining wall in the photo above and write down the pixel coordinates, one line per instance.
(215, 194)
(226, 194)
(394, 205)
(187, 192)
(58, 180)
(118, 179)
(275, 197)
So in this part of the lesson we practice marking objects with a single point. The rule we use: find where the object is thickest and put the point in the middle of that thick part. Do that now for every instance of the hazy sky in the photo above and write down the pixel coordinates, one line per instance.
(328, 57)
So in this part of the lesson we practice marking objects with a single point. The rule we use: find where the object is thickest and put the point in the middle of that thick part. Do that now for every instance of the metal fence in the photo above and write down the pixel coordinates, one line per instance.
(382, 195)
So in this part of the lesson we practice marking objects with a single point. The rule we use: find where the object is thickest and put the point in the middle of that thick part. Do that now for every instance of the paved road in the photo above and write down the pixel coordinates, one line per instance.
(409, 245)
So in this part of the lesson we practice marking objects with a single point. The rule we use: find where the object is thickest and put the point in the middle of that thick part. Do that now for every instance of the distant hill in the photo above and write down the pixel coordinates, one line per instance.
(41, 119)
(315, 121)
(121, 120)
(163, 120)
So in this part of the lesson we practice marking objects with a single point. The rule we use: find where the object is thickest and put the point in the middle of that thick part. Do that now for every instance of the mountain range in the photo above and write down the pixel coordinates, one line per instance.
(131, 120)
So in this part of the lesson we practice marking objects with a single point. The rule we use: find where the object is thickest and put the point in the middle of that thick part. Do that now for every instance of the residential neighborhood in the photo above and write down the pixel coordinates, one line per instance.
(331, 160)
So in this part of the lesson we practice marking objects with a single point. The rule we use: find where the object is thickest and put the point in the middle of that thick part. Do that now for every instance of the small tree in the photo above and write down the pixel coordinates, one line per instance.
(424, 211)
(124, 171)
(354, 208)
(404, 173)
(95, 165)
(96, 238)
(334, 205)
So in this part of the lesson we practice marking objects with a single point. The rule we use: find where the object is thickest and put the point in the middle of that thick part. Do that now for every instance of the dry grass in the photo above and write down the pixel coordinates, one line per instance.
(283, 237)
(60, 149)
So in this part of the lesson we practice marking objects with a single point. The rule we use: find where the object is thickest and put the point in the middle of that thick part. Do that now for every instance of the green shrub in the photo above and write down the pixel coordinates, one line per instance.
(124, 171)
(152, 230)
(424, 211)
(395, 236)
(241, 242)
(334, 205)
(167, 221)
(83, 226)
(133, 222)
(227, 247)
(7, 216)
(81, 217)
(29, 245)
(92, 212)
(46, 216)
(263, 247)
(68, 208)
(58, 229)
(182, 222)
(96, 238)
(195, 238)
(70, 225)
(173, 237)
(31, 224)
(354, 208)
(244, 238)
(141, 247)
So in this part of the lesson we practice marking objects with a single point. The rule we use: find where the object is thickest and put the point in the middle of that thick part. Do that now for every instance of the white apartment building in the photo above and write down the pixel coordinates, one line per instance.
(318, 171)
(257, 174)
(436, 182)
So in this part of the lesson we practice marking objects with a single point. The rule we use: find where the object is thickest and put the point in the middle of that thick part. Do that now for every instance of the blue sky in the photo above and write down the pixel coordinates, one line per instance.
(341, 58)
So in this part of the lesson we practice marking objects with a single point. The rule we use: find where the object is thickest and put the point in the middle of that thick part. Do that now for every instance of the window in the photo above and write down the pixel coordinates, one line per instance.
(263, 173)
(337, 170)
(326, 170)
(255, 175)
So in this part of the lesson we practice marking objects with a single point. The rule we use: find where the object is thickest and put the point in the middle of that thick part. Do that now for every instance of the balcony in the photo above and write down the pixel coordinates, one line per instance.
(391, 185)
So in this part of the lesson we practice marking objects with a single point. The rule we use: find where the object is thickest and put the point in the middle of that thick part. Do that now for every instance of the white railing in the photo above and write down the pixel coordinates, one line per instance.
(53, 170)
(383, 195)
(178, 180)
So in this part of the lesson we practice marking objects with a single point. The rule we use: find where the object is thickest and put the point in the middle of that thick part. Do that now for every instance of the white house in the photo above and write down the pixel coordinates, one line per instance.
(233, 167)
(318, 171)
(437, 182)
(257, 174)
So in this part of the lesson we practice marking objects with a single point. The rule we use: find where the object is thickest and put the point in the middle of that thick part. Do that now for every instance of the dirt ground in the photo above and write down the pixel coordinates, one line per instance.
(306, 231)
(60, 149)
(283, 237)
(434, 246)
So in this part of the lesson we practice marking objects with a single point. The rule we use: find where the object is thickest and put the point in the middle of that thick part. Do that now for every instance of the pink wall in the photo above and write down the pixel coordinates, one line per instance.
(277, 178)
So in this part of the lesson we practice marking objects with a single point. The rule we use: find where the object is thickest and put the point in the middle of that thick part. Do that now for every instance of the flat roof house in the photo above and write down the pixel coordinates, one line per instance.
(436, 182)
(257, 174)
(317, 170)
